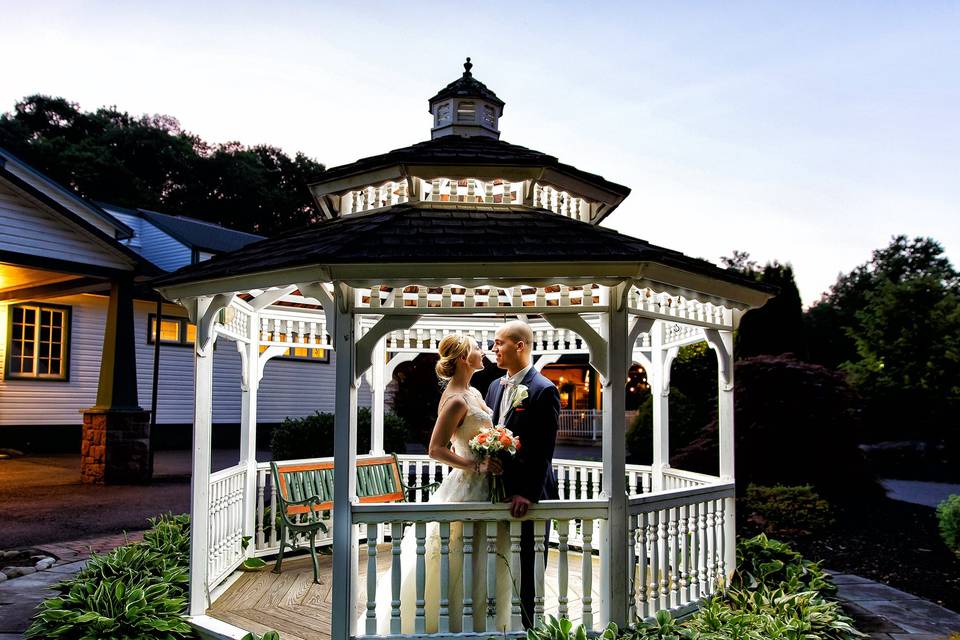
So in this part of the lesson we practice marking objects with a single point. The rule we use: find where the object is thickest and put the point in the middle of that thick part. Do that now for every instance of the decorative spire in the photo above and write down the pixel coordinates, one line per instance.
(466, 68)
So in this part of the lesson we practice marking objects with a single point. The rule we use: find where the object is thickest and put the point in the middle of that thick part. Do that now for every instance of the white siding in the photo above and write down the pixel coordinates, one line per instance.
(288, 388)
(161, 249)
(25, 227)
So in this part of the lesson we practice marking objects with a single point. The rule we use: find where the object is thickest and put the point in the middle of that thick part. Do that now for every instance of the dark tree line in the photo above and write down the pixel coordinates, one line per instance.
(150, 162)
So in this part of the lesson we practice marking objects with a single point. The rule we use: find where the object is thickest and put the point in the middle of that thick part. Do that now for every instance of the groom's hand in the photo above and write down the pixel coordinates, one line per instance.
(519, 506)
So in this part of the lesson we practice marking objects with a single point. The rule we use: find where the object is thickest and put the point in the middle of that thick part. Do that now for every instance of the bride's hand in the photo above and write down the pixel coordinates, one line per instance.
(490, 465)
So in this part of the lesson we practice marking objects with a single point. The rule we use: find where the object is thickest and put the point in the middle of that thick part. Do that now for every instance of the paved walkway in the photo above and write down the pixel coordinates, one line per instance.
(928, 494)
(885, 613)
(19, 597)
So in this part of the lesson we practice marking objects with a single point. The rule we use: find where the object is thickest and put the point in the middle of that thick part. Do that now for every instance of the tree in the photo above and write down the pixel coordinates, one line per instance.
(150, 162)
(776, 327)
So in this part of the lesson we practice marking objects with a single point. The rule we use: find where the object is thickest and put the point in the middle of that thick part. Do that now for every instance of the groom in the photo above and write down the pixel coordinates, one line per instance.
(528, 404)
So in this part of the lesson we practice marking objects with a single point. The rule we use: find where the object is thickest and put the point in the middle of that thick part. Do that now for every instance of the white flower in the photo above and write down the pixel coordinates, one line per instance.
(519, 395)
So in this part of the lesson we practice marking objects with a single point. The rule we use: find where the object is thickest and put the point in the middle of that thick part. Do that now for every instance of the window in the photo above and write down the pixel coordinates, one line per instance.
(39, 342)
(303, 353)
(178, 331)
(466, 112)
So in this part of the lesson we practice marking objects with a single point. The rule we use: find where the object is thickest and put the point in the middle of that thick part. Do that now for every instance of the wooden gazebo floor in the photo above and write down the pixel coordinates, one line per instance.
(300, 610)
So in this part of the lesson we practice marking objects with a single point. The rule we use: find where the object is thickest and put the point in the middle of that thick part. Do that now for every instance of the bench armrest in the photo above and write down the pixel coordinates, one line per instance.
(423, 487)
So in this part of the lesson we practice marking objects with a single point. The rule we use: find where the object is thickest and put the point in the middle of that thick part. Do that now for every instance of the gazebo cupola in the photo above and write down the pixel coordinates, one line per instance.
(466, 107)
(465, 162)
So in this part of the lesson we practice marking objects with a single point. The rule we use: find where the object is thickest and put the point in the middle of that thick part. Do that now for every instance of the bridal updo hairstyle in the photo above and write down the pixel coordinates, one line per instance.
(452, 347)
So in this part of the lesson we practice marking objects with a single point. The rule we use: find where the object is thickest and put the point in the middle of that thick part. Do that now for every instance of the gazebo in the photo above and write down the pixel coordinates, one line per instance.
(460, 233)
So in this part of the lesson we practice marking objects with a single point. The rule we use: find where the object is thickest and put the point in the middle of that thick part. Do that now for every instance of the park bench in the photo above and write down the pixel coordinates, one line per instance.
(305, 492)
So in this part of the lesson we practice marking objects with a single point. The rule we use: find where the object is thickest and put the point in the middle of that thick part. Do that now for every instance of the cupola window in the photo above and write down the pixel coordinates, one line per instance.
(466, 112)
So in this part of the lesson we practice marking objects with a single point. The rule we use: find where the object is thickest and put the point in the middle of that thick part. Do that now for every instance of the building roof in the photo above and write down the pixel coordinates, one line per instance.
(435, 233)
(196, 234)
(474, 150)
(467, 86)
(200, 234)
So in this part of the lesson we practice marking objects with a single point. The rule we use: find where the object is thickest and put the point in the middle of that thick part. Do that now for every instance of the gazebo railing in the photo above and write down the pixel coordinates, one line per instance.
(676, 548)
(227, 515)
(576, 480)
(481, 525)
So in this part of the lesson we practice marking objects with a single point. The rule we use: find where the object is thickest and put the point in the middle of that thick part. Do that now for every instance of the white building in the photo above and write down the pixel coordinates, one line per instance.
(59, 255)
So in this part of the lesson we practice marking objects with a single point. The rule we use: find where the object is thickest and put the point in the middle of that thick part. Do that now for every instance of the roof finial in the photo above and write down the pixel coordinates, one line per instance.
(466, 68)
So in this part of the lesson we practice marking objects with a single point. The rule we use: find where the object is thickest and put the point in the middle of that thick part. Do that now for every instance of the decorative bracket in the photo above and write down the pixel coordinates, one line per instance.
(668, 357)
(543, 361)
(368, 342)
(395, 361)
(267, 298)
(640, 325)
(206, 318)
(268, 353)
(318, 291)
(723, 357)
(595, 342)
(244, 381)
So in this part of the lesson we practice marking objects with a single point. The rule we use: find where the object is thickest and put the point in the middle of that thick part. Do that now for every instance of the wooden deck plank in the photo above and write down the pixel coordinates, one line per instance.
(300, 610)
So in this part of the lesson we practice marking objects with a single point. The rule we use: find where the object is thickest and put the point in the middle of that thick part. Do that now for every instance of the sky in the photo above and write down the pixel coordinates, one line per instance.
(808, 133)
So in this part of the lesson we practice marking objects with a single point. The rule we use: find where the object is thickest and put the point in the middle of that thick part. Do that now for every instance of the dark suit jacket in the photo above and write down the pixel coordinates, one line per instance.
(530, 472)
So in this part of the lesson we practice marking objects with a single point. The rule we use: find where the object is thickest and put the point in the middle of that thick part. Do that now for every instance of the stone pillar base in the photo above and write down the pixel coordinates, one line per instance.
(115, 446)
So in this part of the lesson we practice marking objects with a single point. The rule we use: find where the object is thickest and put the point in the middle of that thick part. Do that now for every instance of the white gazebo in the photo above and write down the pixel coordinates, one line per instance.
(460, 233)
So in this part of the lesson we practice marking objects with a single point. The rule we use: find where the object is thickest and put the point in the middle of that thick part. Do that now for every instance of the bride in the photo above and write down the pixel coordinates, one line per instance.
(461, 414)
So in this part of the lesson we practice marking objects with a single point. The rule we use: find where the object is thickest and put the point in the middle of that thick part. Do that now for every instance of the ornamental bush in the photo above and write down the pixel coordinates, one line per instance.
(136, 591)
(948, 513)
(312, 436)
(785, 510)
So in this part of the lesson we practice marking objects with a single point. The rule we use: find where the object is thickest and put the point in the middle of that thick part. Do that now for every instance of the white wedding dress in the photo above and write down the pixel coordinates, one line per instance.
(458, 486)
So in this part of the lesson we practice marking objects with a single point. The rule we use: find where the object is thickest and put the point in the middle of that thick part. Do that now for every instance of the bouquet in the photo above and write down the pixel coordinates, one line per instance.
(495, 442)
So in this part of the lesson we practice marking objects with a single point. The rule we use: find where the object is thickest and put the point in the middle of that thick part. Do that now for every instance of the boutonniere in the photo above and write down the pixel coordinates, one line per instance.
(519, 395)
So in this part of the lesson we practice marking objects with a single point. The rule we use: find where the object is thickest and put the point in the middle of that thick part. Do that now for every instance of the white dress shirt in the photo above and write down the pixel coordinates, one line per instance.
(511, 386)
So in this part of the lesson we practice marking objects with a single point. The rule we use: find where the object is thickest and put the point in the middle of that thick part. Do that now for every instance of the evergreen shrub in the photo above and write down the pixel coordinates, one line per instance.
(312, 436)
(948, 513)
(786, 510)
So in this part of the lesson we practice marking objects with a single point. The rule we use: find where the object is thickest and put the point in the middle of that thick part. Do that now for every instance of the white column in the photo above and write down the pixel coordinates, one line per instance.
(613, 552)
(725, 412)
(659, 393)
(200, 479)
(248, 424)
(378, 384)
(344, 462)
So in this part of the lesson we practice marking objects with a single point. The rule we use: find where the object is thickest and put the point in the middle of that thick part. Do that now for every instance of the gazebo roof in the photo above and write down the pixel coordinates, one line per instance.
(435, 233)
(457, 151)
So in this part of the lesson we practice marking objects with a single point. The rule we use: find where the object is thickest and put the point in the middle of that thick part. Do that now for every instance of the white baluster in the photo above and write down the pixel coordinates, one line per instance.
(371, 579)
(711, 546)
(258, 525)
(631, 568)
(654, 586)
(721, 549)
(586, 573)
(467, 617)
(563, 532)
(491, 620)
(539, 529)
(444, 615)
(420, 622)
(674, 545)
(644, 609)
(516, 615)
(396, 535)
(693, 581)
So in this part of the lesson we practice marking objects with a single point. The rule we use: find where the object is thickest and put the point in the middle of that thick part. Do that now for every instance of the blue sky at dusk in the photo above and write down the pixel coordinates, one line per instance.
(805, 132)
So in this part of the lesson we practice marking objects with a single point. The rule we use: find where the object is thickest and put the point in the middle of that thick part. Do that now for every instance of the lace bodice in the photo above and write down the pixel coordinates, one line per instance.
(478, 416)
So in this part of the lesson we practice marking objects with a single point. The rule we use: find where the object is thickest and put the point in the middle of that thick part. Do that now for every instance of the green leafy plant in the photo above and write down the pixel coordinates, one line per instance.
(137, 591)
(269, 635)
(948, 514)
(786, 510)
(562, 629)
(250, 564)
(770, 563)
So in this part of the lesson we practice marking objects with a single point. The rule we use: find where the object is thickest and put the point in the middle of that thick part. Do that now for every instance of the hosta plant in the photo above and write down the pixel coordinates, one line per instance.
(761, 561)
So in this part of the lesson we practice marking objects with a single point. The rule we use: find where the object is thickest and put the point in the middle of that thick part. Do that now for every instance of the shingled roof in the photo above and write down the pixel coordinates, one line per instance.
(427, 232)
(473, 150)
(467, 86)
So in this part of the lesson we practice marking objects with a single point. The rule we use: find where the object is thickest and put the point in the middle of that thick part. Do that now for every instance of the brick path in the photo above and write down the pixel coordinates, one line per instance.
(19, 597)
